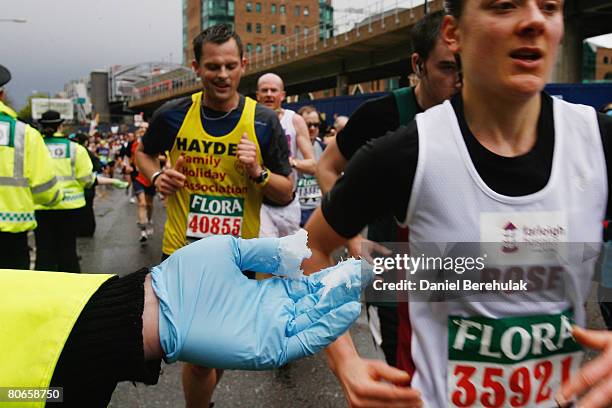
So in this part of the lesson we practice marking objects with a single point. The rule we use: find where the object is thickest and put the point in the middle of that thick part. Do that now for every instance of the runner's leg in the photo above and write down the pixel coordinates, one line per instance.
(199, 384)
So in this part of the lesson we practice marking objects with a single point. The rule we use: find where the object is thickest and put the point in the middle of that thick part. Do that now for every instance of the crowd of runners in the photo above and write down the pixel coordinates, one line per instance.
(474, 146)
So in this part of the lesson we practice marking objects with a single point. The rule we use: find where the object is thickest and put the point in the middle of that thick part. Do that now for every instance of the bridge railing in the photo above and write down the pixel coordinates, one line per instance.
(295, 45)
(309, 39)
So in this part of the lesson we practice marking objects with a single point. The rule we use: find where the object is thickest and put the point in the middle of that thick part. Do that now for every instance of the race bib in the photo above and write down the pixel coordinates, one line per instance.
(214, 215)
(58, 150)
(5, 133)
(509, 362)
(308, 190)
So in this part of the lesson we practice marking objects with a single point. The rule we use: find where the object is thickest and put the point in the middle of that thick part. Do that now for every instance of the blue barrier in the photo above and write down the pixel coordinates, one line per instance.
(595, 95)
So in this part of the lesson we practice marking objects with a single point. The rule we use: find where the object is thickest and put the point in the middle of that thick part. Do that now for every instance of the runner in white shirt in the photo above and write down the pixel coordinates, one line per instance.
(503, 162)
(279, 221)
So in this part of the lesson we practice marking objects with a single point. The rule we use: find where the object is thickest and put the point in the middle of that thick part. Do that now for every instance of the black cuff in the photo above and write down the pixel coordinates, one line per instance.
(105, 345)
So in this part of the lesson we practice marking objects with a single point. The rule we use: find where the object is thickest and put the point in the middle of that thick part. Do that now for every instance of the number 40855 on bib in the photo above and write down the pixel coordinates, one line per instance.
(214, 215)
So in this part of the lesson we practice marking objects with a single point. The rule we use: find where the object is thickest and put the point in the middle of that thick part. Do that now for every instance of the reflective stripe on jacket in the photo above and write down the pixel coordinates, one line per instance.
(27, 175)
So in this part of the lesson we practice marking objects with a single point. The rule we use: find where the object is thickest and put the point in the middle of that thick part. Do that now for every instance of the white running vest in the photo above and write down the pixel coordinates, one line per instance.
(290, 133)
(491, 354)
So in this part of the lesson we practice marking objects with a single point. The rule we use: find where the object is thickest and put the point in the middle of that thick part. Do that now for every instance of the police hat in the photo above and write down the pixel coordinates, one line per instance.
(5, 75)
(50, 117)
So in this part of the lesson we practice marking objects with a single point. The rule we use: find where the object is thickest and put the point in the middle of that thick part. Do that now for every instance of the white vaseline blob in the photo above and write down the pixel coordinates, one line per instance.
(292, 250)
(340, 275)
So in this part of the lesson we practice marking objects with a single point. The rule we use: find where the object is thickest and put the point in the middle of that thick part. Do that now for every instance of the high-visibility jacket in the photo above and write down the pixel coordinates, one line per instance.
(73, 169)
(39, 310)
(27, 175)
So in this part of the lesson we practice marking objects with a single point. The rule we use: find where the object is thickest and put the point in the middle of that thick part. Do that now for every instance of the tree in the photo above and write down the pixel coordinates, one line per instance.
(25, 114)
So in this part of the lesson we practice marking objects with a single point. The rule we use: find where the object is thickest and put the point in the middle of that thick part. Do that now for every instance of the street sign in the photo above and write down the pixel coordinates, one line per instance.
(63, 106)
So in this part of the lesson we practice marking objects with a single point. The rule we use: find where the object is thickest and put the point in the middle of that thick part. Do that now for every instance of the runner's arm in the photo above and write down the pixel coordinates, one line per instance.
(308, 164)
(278, 188)
(169, 180)
(377, 181)
(322, 241)
(275, 155)
(330, 166)
(365, 382)
(160, 137)
(146, 164)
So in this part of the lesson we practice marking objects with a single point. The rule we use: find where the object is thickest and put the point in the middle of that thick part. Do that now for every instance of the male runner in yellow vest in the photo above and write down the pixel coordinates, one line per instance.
(27, 177)
(229, 155)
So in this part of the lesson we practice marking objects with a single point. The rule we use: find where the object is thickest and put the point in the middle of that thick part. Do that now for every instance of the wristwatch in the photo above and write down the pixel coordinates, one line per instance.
(263, 177)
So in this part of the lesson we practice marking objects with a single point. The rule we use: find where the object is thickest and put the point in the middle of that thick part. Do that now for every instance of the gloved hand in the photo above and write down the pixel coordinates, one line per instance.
(212, 315)
(119, 183)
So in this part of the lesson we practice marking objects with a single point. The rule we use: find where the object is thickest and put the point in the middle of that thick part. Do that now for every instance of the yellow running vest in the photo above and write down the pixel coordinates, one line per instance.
(219, 198)
(38, 312)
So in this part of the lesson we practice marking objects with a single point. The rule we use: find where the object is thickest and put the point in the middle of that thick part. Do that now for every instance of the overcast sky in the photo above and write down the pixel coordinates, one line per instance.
(67, 39)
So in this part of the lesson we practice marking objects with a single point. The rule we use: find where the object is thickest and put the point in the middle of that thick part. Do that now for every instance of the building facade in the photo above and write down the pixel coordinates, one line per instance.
(265, 26)
(603, 64)
(77, 91)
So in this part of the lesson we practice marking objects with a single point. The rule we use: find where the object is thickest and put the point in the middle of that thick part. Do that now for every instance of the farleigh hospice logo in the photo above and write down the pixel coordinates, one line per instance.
(509, 238)
(517, 232)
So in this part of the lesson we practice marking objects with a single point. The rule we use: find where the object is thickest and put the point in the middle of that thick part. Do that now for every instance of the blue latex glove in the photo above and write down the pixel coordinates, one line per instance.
(212, 315)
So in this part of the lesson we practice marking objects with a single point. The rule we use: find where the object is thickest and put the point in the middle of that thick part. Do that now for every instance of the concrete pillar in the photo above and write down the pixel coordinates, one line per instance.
(568, 66)
(342, 85)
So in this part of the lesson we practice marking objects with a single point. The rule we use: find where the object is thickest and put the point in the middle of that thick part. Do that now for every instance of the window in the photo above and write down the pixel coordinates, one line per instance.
(249, 6)
(249, 27)
(258, 28)
(217, 11)
(273, 29)
(306, 11)
(283, 49)
(296, 29)
(606, 60)
(249, 48)
(282, 9)
(306, 31)
(296, 11)
(283, 29)
(258, 48)
(273, 8)
(258, 7)
(273, 49)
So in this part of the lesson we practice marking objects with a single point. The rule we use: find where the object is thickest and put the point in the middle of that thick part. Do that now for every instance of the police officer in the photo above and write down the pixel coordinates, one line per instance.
(51, 322)
(57, 231)
(27, 177)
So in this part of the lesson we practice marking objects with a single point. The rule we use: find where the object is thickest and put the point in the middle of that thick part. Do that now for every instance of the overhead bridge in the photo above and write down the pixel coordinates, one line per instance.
(378, 47)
